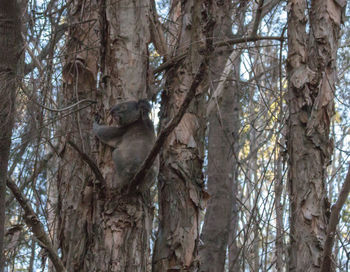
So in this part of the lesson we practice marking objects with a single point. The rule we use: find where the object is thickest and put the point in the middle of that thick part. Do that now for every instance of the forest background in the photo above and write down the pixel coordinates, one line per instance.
(251, 106)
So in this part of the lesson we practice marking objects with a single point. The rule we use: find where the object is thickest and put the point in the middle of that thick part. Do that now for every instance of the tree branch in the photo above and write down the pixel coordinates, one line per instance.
(157, 33)
(36, 226)
(258, 17)
(41, 166)
(45, 51)
(197, 80)
(327, 262)
(146, 165)
(90, 163)
(179, 58)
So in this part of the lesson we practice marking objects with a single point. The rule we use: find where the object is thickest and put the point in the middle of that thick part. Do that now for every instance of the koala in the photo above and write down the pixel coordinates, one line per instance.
(132, 140)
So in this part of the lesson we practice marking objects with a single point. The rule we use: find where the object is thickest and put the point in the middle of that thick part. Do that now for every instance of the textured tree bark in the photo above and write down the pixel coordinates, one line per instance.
(76, 185)
(311, 73)
(126, 220)
(102, 230)
(222, 122)
(10, 45)
(181, 194)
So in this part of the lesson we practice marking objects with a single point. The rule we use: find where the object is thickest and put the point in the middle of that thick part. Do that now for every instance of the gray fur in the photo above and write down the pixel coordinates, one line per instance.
(132, 140)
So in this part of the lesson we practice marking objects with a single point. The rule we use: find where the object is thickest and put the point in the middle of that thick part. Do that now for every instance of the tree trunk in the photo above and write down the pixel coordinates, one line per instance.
(181, 194)
(221, 142)
(75, 181)
(101, 230)
(10, 45)
(279, 208)
(311, 69)
(126, 220)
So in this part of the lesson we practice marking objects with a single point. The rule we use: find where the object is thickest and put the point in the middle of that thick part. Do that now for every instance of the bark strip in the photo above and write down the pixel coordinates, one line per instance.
(312, 48)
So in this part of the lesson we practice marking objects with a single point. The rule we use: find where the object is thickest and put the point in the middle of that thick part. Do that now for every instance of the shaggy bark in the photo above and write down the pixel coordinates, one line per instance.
(102, 230)
(122, 241)
(181, 194)
(76, 183)
(311, 73)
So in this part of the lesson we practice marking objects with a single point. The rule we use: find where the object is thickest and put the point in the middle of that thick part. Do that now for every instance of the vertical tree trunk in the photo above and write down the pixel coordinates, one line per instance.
(122, 242)
(10, 45)
(181, 194)
(75, 181)
(220, 153)
(279, 209)
(102, 230)
(311, 69)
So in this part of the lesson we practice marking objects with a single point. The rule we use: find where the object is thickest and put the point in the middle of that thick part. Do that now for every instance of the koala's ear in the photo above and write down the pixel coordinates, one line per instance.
(144, 107)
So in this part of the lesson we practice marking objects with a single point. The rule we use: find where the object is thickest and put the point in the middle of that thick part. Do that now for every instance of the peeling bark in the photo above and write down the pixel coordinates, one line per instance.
(311, 69)
(181, 194)
(75, 181)
(123, 240)
(102, 230)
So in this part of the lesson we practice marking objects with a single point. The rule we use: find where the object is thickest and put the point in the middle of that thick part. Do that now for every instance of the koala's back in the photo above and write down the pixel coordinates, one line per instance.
(132, 150)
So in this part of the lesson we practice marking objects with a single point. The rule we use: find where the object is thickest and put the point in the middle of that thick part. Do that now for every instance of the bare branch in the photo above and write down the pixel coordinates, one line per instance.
(26, 92)
(258, 18)
(179, 58)
(197, 80)
(157, 33)
(39, 169)
(43, 54)
(90, 163)
(36, 226)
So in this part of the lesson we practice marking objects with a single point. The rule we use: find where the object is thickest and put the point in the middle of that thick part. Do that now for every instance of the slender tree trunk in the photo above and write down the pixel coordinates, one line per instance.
(181, 194)
(10, 44)
(278, 184)
(311, 73)
(233, 249)
(220, 153)
(253, 195)
(279, 210)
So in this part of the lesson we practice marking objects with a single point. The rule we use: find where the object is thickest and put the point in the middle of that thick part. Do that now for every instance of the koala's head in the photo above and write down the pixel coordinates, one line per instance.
(126, 113)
